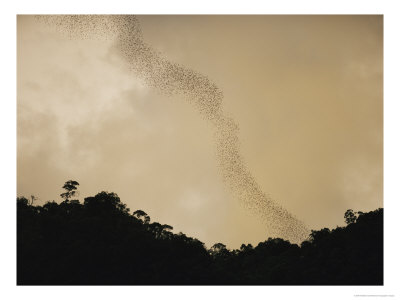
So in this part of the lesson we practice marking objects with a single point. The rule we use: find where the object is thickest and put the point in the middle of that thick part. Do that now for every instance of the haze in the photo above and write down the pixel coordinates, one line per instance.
(306, 92)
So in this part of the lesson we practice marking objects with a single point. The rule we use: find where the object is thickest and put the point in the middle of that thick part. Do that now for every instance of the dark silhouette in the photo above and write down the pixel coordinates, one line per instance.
(70, 187)
(100, 242)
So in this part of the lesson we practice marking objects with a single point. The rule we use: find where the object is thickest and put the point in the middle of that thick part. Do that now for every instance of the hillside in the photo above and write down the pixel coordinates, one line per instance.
(99, 242)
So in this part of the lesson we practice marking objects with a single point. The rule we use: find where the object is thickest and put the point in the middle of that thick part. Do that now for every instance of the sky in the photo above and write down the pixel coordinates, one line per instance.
(305, 91)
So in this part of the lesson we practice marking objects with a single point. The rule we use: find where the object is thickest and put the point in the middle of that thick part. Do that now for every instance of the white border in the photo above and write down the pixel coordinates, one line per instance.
(8, 145)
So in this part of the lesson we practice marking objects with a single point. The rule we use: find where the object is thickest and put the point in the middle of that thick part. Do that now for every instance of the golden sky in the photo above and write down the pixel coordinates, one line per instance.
(305, 91)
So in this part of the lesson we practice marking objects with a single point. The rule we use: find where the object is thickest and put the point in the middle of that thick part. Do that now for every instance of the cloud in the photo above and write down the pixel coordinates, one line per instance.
(306, 91)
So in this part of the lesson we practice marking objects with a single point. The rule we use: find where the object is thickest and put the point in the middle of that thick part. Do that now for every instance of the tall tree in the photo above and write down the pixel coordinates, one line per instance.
(70, 189)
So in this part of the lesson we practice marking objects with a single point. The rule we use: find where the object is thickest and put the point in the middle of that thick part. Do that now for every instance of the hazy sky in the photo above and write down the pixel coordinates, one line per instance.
(306, 92)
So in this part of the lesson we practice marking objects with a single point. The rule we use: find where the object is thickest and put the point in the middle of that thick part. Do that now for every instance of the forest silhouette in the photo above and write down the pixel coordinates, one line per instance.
(100, 242)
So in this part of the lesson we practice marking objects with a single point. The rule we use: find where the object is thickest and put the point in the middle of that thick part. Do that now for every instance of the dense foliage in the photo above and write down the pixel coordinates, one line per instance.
(100, 242)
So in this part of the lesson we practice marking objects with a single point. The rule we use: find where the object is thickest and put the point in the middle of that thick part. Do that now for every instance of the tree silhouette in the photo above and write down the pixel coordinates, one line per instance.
(33, 199)
(349, 216)
(99, 242)
(141, 215)
(70, 187)
(219, 250)
(107, 203)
